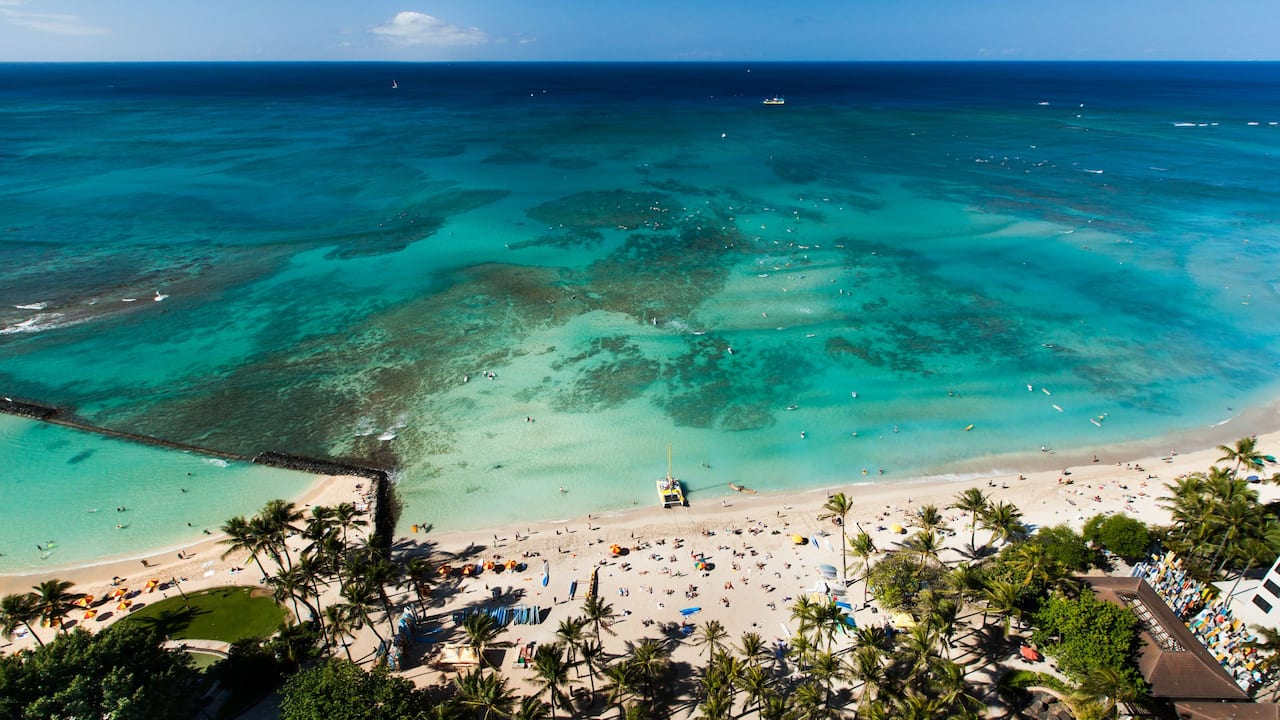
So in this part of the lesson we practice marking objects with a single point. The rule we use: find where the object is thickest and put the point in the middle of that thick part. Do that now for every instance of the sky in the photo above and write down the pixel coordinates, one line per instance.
(625, 30)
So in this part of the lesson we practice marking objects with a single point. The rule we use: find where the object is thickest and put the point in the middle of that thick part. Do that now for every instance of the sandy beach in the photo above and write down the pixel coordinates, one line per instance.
(200, 563)
(756, 567)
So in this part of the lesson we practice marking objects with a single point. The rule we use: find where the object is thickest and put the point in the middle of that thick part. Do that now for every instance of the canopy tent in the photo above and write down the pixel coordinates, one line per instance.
(458, 656)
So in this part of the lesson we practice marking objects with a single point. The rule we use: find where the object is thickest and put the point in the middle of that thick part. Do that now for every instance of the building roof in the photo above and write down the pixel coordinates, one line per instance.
(1171, 659)
(1226, 711)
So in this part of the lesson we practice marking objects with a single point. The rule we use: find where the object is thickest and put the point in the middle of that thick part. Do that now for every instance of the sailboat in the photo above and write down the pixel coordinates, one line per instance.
(670, 491)
(394, 85)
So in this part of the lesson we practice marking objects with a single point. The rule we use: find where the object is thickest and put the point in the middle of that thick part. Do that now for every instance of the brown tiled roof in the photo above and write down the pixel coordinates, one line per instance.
(1226, 711)
(1172, 659)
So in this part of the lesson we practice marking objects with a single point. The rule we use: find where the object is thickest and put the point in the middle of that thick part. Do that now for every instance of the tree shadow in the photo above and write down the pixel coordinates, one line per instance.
(170, 622)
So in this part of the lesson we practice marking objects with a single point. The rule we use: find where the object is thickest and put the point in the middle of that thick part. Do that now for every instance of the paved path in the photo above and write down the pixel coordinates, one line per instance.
(216, 647)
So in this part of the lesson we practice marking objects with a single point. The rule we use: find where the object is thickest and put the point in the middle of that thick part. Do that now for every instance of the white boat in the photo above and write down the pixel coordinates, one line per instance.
(394, 85)
(775, 100)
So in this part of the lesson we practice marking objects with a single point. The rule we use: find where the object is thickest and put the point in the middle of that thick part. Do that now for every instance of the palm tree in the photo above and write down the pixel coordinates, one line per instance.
(598, 612)
(826, 669)
(756, 685)
(927, 543)
(651, 662)
(1101, 690)
(777, 706)
(1004, 520)
(343, 620)
(19, 609)
(359, 591)
(717, 705)
(481, 630)
(622, 680)
(552, 673)
(569, 633)
(1245, 452)
(809, 702)
(711, 635)
(419, 572)
(828, 619)
(54, 600)
(531, 708)
(838, 507)
(1004, 600)
(280, 518)
(867, 666)
(241, 536)
(752, 648)
(974, 502)
(1033, 562)
(928, 518)
(864, 546)
(347, 517)
(592, 652)
(485, 694)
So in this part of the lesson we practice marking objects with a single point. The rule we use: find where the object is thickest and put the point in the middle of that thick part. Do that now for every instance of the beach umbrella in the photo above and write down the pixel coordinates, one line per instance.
(444, 570)
(84, 600)
(896, 529)
(799, 539)
(88, 614)
(615, 550)
(124, 605)
(512, 564)
(120, 591)
(489, 565)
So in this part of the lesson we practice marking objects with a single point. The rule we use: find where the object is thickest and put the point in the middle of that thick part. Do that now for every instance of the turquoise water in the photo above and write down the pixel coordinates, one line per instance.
(333, 258)
(62, 487)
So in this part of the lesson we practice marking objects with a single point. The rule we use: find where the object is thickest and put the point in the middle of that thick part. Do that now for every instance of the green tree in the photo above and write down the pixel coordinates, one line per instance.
(1064, 546)
(341, 690)
(1124, 536)
(899, 577)
(1085, 634)
(241, 536)
(1004, 520)
(120, 673)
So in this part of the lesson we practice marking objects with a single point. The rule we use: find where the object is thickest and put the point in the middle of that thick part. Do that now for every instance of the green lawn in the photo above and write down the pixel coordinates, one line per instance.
(228, 613)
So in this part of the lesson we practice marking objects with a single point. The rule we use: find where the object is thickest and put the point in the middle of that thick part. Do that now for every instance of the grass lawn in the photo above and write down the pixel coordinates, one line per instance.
(228, 613)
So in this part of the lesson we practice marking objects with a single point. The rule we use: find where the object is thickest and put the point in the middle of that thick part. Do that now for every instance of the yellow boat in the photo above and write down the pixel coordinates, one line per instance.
(670, 491)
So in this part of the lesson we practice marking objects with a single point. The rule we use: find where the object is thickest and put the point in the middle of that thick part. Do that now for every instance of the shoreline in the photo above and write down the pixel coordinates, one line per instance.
(1040, 470)
(323, 490)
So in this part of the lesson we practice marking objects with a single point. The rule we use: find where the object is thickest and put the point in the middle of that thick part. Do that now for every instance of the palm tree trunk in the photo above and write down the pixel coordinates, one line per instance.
(32, 632)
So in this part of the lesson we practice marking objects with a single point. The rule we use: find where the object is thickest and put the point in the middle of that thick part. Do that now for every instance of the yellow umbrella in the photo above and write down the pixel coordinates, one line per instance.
(89, 614)
(124, 605)
(799, 539)
(896, 529)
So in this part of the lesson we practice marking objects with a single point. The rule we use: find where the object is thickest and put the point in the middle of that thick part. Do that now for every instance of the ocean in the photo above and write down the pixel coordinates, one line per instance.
(518, 284)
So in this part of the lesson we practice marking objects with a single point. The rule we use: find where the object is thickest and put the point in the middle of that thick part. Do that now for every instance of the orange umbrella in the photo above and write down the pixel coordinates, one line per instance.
(124, 605)
(488, 565)
(89, 614)
(615, 549)
(84, 600)
(120, 591)
(151, 585)
(445, 570)
(511, 564)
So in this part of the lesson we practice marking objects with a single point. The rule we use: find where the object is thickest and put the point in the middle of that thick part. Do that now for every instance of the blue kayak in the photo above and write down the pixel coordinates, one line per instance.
(690, 611)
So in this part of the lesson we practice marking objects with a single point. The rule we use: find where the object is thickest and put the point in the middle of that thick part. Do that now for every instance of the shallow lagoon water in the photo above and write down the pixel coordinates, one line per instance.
(61, 489)
(641, 255)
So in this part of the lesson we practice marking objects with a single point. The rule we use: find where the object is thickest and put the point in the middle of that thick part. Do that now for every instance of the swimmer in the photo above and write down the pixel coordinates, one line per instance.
(853, 394)
(562, 490)
(803, 435)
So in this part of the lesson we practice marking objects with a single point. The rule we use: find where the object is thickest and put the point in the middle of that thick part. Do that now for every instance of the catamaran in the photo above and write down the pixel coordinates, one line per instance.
(670, 491)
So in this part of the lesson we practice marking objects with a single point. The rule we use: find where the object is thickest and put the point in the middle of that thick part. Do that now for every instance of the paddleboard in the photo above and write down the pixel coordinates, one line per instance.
(573, 589)
(690, 611)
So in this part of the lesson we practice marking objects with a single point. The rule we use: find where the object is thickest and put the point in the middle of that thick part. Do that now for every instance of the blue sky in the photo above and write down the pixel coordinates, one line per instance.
(422, 30)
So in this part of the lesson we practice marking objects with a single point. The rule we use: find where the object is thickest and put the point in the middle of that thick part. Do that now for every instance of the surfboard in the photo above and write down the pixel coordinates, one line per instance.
(690, 611)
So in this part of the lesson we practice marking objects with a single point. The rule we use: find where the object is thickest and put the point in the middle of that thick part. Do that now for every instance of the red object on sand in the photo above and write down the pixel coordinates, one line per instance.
(1029, 653)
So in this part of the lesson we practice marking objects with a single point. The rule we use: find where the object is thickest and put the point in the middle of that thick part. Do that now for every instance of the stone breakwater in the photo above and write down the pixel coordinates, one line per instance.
(383, 514)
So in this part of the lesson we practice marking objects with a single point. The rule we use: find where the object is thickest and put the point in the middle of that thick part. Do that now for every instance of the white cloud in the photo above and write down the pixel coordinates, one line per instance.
(410, 29)
(55, 24)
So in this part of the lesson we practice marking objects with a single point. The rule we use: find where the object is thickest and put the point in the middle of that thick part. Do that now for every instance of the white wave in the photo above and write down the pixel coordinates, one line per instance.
(39, 323)
(217, 462)
(1184, 124)
(33, 306)
(1095, 172)
(388, 435)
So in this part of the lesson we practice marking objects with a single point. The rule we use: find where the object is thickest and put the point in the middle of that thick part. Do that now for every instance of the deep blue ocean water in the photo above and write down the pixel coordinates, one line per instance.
(302, 257)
